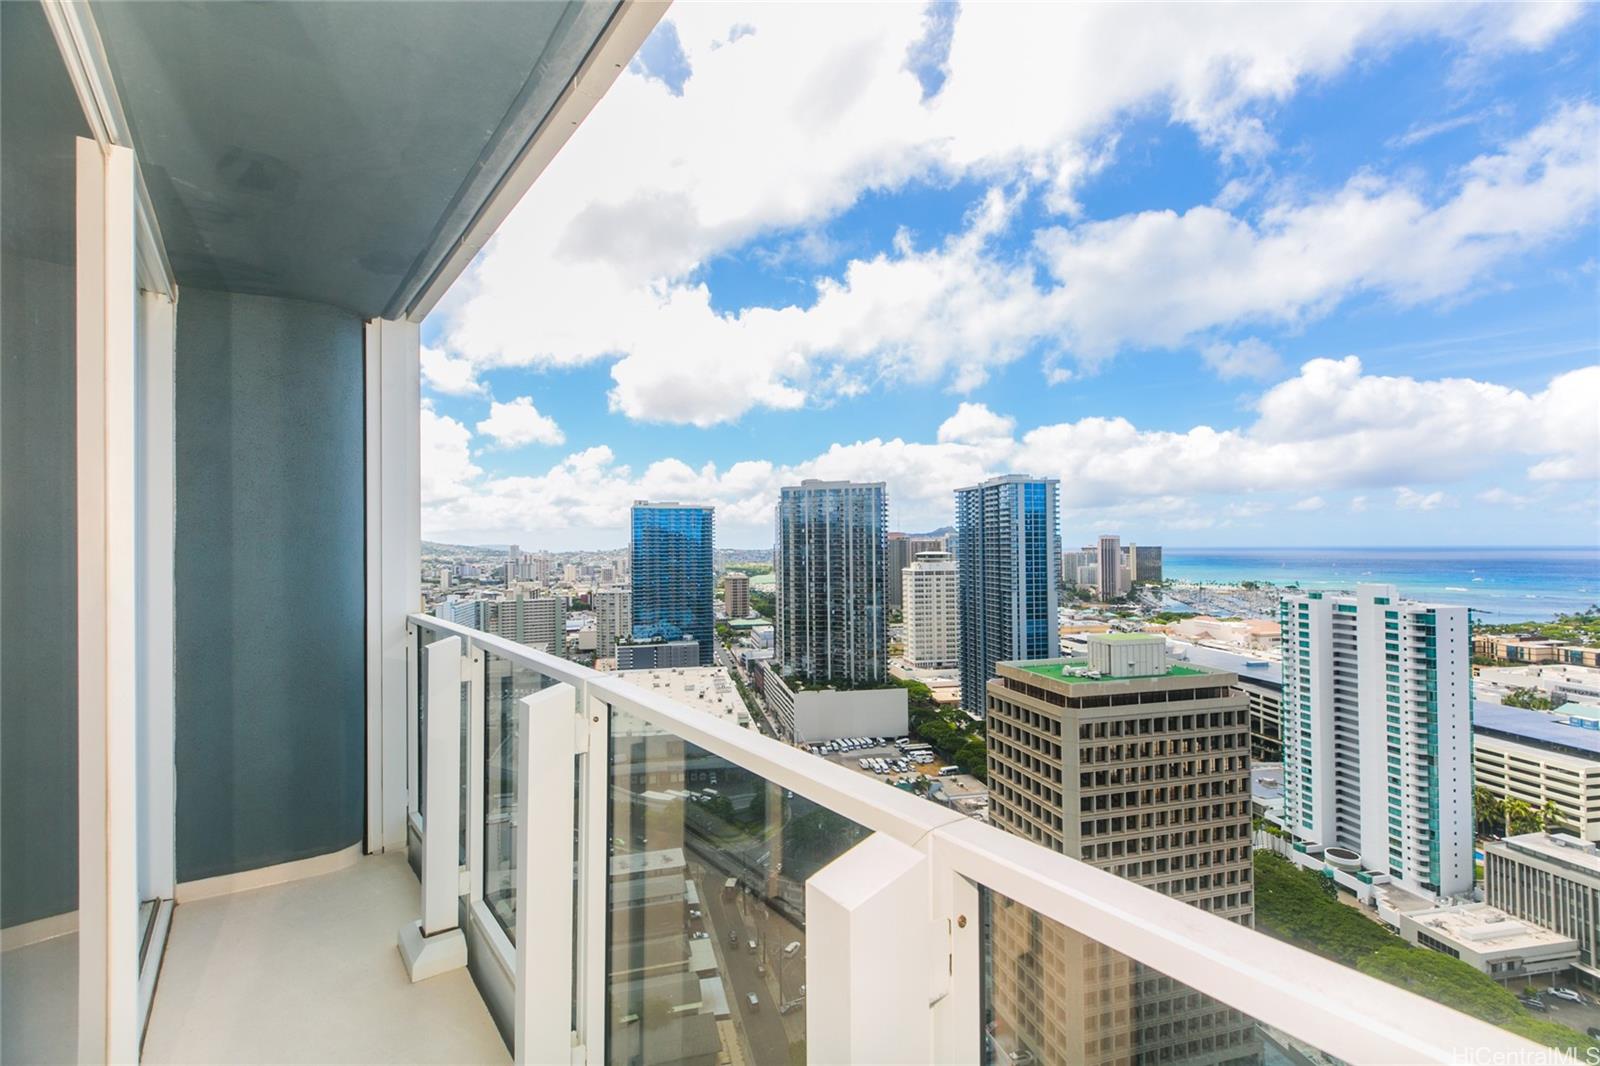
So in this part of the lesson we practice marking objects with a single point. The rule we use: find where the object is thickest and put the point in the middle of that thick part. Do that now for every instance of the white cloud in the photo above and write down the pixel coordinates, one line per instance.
(511, 425)
(604, 256)
(448, 472)
(1499, 497)
(448, 375)
(1380, 432)
(1407, 499)
(1247, 358)
(1310, 503)
(1358, 504)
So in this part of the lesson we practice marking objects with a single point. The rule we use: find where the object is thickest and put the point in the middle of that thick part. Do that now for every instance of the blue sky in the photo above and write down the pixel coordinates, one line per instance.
(1248, 276)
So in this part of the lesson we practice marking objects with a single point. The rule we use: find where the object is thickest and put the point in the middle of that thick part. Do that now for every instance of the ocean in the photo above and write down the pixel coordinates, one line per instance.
(1500, 584)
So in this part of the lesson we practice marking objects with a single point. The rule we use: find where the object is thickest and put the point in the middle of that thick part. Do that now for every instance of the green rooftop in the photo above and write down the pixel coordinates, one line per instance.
(1057, 671)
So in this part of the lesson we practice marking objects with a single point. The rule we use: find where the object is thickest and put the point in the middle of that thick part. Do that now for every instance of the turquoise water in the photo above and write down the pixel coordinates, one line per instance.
(1500, 584)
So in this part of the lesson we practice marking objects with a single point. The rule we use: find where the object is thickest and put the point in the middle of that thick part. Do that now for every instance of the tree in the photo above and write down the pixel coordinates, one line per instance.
(1526, 698)
(1551, 817)
(1488, 812)
(1520, 817)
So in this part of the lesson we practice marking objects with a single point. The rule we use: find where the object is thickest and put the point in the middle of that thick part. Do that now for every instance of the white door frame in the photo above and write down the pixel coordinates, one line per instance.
(394, 566)
(108, 609)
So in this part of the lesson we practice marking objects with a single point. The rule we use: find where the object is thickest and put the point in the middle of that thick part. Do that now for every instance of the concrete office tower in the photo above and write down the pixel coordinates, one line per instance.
(513, 556)
(1008, 558)
(443, 578)
(1377, 733)
(736, 594)
(1109, 575)
(531, 618)
(1143, 771)
(931, 585)
(674, 589)
(831, 559)
(613, 620)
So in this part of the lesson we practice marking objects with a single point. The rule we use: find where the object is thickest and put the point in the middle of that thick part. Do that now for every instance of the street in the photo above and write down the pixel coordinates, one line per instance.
(767, 1034)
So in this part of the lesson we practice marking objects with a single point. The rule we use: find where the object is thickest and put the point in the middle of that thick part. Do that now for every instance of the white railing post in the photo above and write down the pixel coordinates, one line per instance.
(868, 954)
(435, 944)
(546, 744)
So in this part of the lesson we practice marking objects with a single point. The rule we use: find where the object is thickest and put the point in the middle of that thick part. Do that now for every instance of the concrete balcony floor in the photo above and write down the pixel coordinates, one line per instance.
(308, 972)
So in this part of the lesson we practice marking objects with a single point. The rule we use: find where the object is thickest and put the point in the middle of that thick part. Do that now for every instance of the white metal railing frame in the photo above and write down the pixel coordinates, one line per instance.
(1331, 1007)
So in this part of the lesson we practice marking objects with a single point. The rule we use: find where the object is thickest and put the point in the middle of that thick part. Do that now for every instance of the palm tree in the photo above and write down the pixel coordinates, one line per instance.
(1488, 811)
(1551, 817)
(1520, 817)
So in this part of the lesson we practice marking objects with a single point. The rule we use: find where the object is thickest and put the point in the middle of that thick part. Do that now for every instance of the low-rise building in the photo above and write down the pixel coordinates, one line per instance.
(705, 688)
(1489, 940)
(657, 654)
(1531, 649)
(1553, 881)
(1540, 758)
(807, 714)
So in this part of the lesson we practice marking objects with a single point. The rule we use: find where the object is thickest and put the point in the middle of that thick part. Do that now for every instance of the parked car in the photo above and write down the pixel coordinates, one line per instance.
(1533, 1003)
(753, 1001)
(1594, 1032)
(1567, 994)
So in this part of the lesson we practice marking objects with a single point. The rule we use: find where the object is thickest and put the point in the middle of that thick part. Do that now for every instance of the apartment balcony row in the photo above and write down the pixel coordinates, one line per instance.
(256, 808)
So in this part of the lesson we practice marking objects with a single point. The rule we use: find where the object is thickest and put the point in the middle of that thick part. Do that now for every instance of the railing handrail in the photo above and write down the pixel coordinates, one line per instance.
(1335, 1008)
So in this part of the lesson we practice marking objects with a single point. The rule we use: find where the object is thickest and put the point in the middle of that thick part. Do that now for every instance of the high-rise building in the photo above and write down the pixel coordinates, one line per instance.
(1138, 766)
(674, 588)
(1109, 575)
(513, 557)
(443, 578)
(931, 585)
(899, 559)
(612, 620)
(1008, 554)
(736, 594)
(529, 617)
(1377, 733)
(831, 569)
(1146, 564)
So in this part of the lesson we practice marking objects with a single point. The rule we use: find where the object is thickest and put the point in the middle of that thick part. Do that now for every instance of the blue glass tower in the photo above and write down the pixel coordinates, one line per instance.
(1008, 557)
(673, 591)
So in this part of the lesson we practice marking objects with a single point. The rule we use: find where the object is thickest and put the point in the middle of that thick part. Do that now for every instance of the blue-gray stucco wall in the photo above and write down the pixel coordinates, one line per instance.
(39, 119)
(270, 577)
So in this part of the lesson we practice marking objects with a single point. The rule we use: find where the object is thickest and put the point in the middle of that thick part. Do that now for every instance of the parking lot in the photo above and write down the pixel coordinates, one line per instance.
(956, 783)
(1579, 1016)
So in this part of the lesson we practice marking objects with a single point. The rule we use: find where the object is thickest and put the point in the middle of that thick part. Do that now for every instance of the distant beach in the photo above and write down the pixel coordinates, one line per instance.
(1499, 584)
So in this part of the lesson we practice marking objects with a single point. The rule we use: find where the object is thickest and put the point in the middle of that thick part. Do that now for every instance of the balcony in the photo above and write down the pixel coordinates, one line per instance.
(257, 810)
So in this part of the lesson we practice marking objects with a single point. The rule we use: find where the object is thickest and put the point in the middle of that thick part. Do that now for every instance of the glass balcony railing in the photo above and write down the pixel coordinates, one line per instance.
(643, 879)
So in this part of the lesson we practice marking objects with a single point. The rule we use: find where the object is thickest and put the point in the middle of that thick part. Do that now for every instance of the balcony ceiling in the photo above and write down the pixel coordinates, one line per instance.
(332, 151)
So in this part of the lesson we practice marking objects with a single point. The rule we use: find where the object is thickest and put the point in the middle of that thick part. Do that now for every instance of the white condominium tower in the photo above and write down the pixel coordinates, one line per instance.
(832, 569)
(613, 620)
(1377, 733)
(1108, 581)
(930, 584)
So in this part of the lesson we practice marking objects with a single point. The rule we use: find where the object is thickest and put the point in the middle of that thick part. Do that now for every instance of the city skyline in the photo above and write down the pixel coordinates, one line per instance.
(1311, 280)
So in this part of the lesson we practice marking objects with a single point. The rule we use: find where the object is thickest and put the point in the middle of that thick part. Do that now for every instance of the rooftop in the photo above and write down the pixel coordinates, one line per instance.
(1060, 671)
(705, 688)
(1541, 729)
(1567, 850)
(1248, 667)
(1486, 928)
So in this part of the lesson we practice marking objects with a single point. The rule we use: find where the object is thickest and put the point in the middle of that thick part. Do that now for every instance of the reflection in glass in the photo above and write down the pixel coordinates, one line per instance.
(706, 903)
(506, 683)
(1056, 995)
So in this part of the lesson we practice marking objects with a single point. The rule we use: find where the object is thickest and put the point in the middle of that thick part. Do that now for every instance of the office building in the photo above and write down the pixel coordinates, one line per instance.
(1109, 575)
(1141, 767)
(673, 584)
(932, 635)
(1377, 733)
(736, 594)
(1078, 567)
(806, 714)
(613, 620)
(831, 572)
(1551, 880)
(1540, 759)
(1008, 551)
(899, 559)
(442, 577)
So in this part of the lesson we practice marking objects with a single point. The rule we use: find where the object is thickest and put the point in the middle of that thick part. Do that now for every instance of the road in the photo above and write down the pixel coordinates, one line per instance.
(766, 1038)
